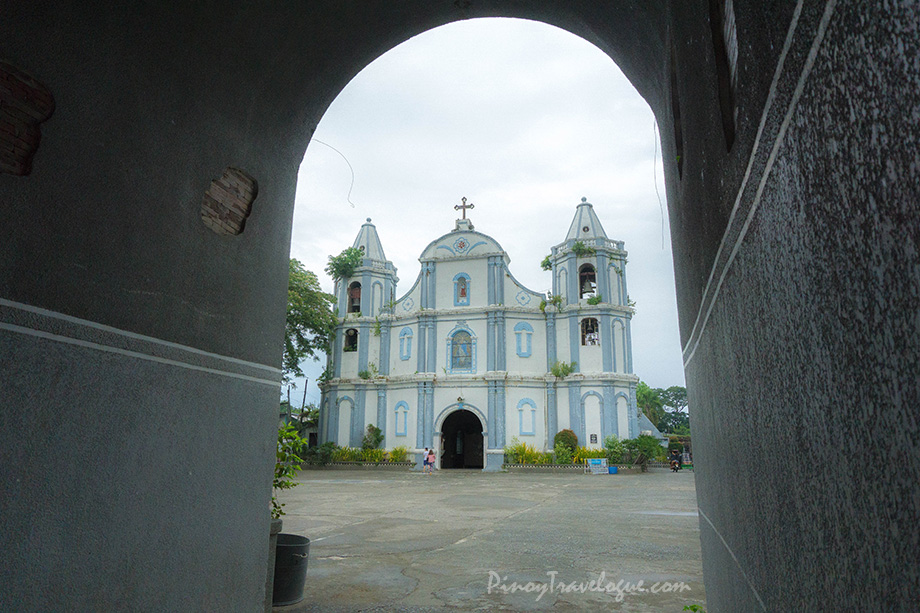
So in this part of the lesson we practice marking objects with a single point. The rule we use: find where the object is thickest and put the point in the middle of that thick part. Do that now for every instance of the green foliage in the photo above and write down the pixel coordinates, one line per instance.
(642, 450)
(522, 453)
(695, 608)
(310, 321)
(555, 301)
(582, 453)
(326, 375)
(343, 265)
(319, 456)
(614, 448)
(376, 326)
(672, 445)
(389, 306)
(399, 454)
(562, 453)
(566, 437)
(674, 398)
(374, 455)
(350, 349)
(287, 463)
(546, 264)
(594, 300)
(563, 369)
(372, 438)
(581, 250)
(348, 454)
(675, 423)
(649, 402)
(630, 302)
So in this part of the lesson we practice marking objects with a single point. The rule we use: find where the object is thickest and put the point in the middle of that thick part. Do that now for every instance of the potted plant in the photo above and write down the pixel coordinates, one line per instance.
(289, 552)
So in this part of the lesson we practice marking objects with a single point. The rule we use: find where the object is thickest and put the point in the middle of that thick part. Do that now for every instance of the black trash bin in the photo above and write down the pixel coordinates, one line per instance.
(291, 556)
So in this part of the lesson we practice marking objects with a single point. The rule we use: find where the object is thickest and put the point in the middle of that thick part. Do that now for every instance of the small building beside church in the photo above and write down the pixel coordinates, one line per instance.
(464, 360)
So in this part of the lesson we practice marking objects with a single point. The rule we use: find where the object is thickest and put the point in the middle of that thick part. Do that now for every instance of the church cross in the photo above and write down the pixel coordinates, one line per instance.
(464, 206)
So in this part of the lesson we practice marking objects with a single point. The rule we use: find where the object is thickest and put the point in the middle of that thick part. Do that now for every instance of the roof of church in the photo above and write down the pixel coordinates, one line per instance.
(585, 225)
(368, 239)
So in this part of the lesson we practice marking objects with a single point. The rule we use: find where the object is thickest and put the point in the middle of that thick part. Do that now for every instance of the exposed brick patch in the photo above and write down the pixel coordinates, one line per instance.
(24, 104)
(228, 202)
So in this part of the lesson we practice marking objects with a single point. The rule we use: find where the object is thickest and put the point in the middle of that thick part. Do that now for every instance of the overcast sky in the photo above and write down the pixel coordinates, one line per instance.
(523, 119)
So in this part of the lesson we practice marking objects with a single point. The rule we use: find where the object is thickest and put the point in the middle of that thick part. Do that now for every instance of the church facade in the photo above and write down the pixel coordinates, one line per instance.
(465, 360)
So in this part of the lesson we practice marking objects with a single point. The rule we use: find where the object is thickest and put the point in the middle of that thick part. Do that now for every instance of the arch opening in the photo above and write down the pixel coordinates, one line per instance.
(462, 441)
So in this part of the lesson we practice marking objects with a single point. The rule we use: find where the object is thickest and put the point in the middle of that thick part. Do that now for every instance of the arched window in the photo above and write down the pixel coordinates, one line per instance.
(405, 344)
(461, 351)
(590, 332)
(462, 289)
(402, 418)
(527, 417)
(354, 298)
(587, 281)
(351, 340)
(523, 332)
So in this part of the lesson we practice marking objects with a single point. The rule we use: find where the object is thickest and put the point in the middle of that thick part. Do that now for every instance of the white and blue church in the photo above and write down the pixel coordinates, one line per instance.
(464, 360)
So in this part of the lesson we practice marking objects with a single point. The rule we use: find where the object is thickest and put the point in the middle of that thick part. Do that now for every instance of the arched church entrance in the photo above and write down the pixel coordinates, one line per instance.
(461, 441)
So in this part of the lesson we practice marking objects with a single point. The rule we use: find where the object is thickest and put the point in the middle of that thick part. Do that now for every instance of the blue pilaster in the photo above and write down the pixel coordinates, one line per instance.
(501, 342)
(364, 343)
(603, 277)
(432, 338)
(382, 411)
(629, 362)
(490, 341)
(384, 366)
(608, 413)
(490, 415)
(357, 416)
(420, 417)
(500, 414)
(576, 415)
(552, 414)
(550, 339)
(606, 345)
(574, 339)
(337, 351)
(633, 412)
(421, 362)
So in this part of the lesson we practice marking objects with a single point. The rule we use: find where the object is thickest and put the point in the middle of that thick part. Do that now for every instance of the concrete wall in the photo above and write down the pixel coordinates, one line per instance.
(138, 348)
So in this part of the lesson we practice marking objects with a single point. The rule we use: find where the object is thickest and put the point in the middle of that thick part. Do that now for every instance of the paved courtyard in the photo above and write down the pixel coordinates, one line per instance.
(400, 541)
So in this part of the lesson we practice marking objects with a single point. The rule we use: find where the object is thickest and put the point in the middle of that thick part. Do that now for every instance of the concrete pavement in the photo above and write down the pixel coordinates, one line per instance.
(401, 541)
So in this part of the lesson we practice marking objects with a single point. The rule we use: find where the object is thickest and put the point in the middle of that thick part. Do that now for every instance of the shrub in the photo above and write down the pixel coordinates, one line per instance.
(343, 265)
(372, 438)
(582, 250)
(374, 455)
(614, 448)
(563, 453)
(399, 454)
(348, 454)
(582, 453)
(522, 453)
(546, 264)
(319, 456)
(593, 300)
(567, 438)
(563, 369)
(643, 449)
(287, 463)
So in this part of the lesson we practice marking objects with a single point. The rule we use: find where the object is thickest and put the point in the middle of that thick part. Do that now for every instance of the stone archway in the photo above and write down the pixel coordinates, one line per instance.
(462, 444)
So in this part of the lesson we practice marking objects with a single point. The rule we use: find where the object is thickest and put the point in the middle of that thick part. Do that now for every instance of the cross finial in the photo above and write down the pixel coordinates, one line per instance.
(464, 206)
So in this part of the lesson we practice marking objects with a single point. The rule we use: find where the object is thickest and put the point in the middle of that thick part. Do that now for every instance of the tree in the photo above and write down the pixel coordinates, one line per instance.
(310, 320)
(675, 398)
(649, 402)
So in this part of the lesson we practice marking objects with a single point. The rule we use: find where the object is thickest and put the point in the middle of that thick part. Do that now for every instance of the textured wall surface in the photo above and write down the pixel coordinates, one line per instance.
(137, 412)
(804, 379)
